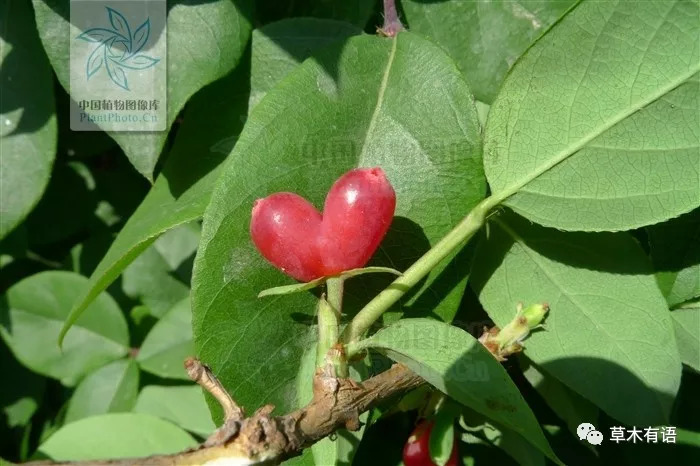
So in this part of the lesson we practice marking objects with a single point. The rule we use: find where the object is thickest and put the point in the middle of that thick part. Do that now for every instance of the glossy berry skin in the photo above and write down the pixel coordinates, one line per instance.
(356, 216)
(416, 451)
(293, 236)
(285, 228)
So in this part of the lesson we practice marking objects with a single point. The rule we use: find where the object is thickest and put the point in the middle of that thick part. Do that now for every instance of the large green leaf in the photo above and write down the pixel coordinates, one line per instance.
(185, 406)
(205, 40)
(686, 323)
(169, 342)
(484, 38)
(210, 128)
(115, 435)
(109, 389)
(675, 253)
(608, 323)
(27, 117)
(372, 101)
(31, 316)
(456, 363)
(596, 127)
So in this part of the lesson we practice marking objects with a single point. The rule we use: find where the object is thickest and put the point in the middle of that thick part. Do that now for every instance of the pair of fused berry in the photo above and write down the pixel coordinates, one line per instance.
(305, 244)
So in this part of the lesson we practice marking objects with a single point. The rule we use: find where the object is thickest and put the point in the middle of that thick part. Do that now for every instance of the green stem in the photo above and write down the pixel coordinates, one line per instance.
(334, 287)
(328, 318)
(448, 244)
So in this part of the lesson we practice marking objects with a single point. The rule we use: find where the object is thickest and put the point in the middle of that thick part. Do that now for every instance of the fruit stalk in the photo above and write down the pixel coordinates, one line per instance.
(329, 309)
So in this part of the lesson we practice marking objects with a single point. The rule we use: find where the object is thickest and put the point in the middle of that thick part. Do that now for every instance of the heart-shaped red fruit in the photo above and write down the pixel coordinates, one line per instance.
(297, 239)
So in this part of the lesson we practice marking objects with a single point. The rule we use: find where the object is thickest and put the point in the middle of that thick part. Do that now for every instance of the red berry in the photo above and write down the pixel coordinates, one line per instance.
(284, 228)
(356, 216)
(296, 238)
(416, 451)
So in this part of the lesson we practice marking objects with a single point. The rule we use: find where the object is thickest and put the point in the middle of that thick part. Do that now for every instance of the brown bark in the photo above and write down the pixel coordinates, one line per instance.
(263, 439)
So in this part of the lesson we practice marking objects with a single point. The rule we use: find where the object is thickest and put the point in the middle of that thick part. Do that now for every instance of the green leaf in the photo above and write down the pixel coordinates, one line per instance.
(506, 439)
(151, 277)
(356, 12)
(169, 342)
(686, 323)
(218, 30)
(185, 406)
(27, 116)
(109, 389)
(608, 320)
(116, 435)
(279, 47)
(21, 398)
(484, 38)
(675, 253)
(571, 407)
(442, 438)
(454, 362)
(68, 205)
(298, 287)
(210, 128)
(595, 127)
(31, 317)
(334, 128)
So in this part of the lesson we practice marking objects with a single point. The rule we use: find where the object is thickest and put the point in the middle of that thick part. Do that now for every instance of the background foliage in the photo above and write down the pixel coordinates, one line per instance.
(581, 118)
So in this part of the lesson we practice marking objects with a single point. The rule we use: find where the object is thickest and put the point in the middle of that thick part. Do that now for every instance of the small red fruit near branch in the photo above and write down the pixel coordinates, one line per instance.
(416, 452)
(305, 244)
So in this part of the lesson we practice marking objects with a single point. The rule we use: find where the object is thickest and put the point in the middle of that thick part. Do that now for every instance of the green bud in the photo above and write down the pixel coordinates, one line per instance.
(534, 314)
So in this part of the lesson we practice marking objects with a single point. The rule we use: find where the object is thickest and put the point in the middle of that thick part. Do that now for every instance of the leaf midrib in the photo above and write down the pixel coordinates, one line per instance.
(380, 99)
(568, 151)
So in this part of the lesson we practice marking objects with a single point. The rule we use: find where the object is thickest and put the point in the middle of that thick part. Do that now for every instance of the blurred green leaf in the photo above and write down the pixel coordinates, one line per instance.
(31, 315)
(456, 363)
(66, 209)
(169, 342)
(27, 115)
(675, 253)
(686, 323)
(210, 128)
(356, 12)
(596, 126)
(385, 115)
(151, 277)
(21, 398)
(608, 320)
(115, 435)
(218, 30)
(484, 38)
(184, 406)
(110, 389)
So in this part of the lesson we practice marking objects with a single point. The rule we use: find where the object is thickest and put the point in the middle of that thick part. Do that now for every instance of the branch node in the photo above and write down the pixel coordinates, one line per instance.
(202, 374)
